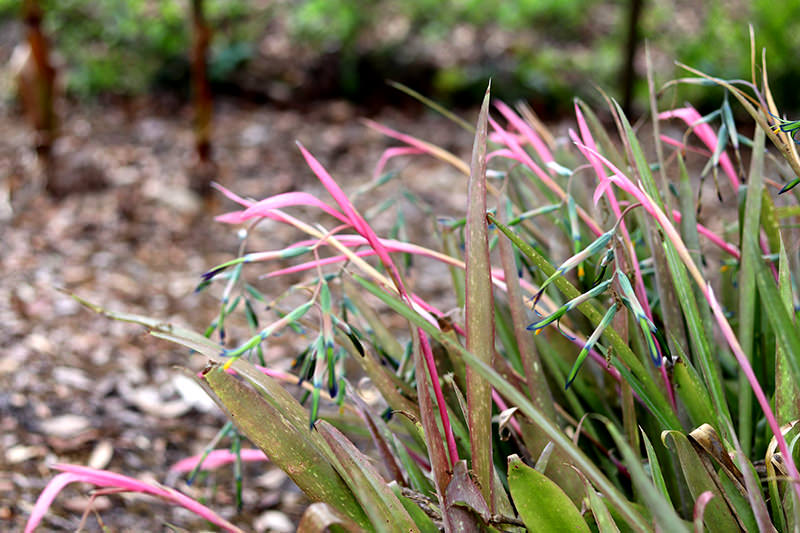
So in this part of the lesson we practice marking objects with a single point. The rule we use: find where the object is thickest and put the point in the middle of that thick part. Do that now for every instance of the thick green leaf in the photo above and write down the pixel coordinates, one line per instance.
(518, 399)
(663, 513)
(697, 335)
(647, 389)
(319, 517)
(655, 467)
(287, 447)
(693, 393)
(602, 516)
(718, 516)
(741, 506)
(479, 309)
(787, 396)
(781, 320)
(421, 519)
(747, 287)
(384, 510)
(541, 504)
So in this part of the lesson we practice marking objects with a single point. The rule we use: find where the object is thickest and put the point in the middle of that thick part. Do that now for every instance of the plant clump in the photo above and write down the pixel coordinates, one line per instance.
(627, 384)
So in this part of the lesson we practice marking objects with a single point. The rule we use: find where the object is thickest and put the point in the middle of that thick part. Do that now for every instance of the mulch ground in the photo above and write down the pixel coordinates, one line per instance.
(78, 388)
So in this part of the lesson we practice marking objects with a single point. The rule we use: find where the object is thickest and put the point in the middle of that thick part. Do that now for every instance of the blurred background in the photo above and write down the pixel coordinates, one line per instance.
(290, 52)
(116, 115)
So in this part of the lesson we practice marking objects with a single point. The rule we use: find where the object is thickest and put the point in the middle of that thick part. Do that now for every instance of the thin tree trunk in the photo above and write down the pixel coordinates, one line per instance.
(38, 97)
(201, 96)
(628, 77)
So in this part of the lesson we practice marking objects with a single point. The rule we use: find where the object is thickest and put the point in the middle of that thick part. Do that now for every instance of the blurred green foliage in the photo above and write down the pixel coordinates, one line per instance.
(130, 46)
(549, 50)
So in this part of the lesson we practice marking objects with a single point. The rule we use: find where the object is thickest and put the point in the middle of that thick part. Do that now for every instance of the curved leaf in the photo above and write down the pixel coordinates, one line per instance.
(287, 446)
(377, 499)
(320, 516)
(541, 504)
(717, 515)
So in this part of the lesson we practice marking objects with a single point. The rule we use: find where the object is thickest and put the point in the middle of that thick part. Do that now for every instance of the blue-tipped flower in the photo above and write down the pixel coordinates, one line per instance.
(787, 126)
(254, 341)
(595, 247)
(649, 329)
(208, 276)
(789, 186)
(202, 286)
(727, 117)
(318, 349)
(604, 262)
(590, 342)
(561, 311)
(286, 253)
(312, 417)
(533, 213)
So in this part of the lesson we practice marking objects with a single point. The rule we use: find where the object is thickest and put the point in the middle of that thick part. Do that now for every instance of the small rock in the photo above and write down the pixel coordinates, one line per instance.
(148, 400)
(176, 198)
(81, 504)
(152, 130)
(273, 521)
(75, 173)
(64, 426)
(40, 343)
(193, 394)
(20, 453)
(272, 480)
(72, 377)
(101, 455)
(255, 135)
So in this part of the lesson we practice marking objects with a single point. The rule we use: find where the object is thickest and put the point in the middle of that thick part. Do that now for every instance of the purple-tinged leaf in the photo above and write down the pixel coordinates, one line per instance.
(427, 354)
(287, 200)
(744, 363)
(465, 503)
(273, 420)
(522, 156)
(440, 465)
(216, 458)
(706, 134)
(479, 309)
(426, 147)
(389, 153)
(526, 130)
(700, 510)
(104, 478)
(385, 511)
(319, 517)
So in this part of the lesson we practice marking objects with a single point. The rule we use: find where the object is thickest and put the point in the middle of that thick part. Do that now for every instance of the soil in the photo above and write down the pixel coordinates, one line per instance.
(76, 387)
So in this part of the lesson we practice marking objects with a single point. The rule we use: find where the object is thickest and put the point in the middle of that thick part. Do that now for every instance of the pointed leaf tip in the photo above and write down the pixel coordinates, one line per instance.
(789, 186)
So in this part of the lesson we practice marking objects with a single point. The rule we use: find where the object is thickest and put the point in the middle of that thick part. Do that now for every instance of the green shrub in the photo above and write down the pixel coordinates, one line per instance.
(548, 51)
(594, 381)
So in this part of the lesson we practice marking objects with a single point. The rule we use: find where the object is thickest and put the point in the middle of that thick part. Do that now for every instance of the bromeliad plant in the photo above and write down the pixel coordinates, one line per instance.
(611, 390)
